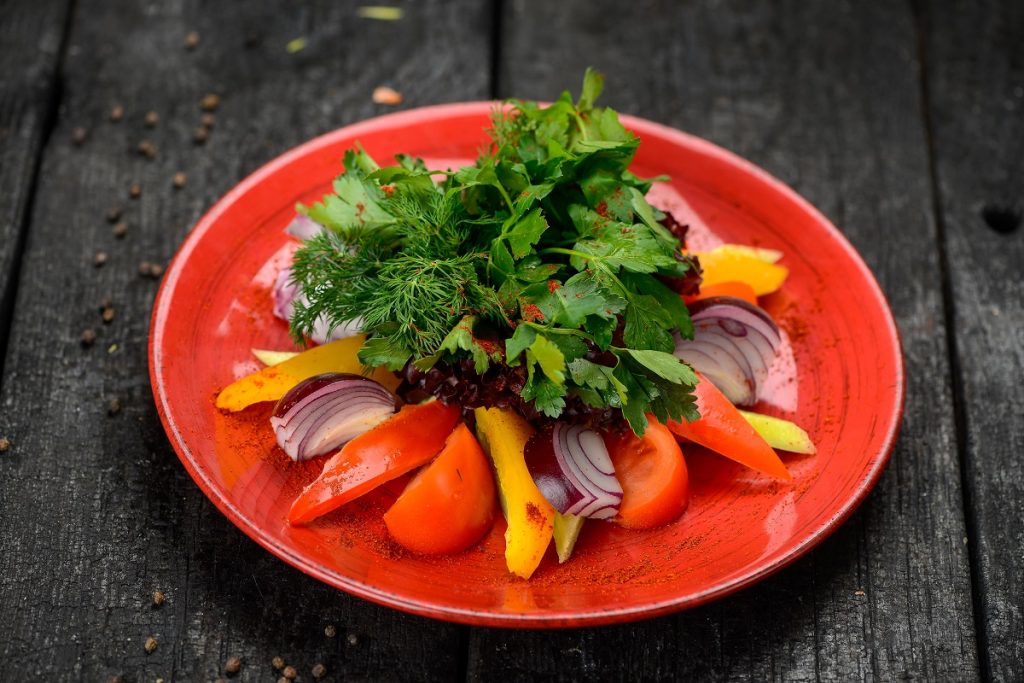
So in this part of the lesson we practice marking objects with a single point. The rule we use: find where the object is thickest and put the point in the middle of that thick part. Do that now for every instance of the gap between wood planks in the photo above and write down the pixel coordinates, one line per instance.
(53, 95)
(921, 25)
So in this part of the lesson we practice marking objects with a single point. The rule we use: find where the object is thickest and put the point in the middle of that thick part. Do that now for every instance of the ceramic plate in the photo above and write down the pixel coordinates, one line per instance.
(840, 376)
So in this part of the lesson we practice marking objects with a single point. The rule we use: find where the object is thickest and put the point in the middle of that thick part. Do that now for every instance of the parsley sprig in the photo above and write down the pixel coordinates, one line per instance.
(547, 243)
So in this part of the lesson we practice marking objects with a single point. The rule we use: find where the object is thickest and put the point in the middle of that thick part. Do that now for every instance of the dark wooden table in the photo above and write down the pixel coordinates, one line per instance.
(902, 121)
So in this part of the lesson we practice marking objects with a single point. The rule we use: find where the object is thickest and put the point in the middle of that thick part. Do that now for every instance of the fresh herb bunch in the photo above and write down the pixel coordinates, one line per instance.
(544, 254)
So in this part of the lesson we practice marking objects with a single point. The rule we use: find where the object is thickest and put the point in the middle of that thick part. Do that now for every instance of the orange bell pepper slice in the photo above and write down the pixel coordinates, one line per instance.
(404, 442)
(731, 264)
(724, 430)
(740, 290)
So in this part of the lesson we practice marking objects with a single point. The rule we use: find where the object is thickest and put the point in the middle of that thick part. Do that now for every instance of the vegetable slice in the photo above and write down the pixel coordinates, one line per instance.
(504, 434)
(409, 439)
(740, 290)
(734, 344)
(323, 412)
(727, 264)
(450, 504)
(655, 483)
(780, 433)
(270, 384)
(269, 358)
(567, 532)
(571, 468)
(722, 429)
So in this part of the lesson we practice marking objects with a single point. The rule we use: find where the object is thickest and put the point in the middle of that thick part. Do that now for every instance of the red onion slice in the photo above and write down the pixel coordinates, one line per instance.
(303, 227)
(286, 293)
(734, 345)
(320, 414)
(571, 467)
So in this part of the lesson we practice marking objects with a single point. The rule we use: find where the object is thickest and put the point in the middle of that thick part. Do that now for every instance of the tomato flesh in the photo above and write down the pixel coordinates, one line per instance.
(450, 504)
(409, 439)
(652, 472)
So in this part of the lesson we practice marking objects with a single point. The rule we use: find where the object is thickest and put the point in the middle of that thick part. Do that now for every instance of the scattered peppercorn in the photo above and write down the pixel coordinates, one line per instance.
(152, 118)
(78, 135)
(100, 259)
(207, 120)
(385, 95)
(5, 444)
(282, 679)
(353, 639)
(319, 671)
(114, 213)
(199, 135)
(179, 180)
(233, 665)
(210, 102)
(152, 270)
(117, 113)
(330, 630)
(113, 408)
(108, 315)
(115, 679)
(135, 191)
(219, 680)
(290, 673)
(150, 645)
(148, 149)
(277, 663)
(88, 337)
(191, 40)
(120, 230)
(159, 598)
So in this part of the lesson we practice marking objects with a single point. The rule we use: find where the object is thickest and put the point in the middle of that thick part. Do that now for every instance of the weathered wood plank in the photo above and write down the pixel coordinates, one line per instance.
(974, 54)
(30, 39)
(826, 97)
(95, 511)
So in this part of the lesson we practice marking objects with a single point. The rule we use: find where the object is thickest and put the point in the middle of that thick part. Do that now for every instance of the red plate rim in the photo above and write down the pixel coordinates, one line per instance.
(466, 616)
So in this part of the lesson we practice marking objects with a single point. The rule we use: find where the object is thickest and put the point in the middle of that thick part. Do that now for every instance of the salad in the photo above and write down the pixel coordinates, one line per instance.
(526, 337)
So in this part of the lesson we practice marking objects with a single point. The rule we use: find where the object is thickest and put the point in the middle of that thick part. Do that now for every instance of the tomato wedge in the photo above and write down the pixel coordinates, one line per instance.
(409, 439)
(450, 504)
(651, 469)
(723, 429)
(740, 290)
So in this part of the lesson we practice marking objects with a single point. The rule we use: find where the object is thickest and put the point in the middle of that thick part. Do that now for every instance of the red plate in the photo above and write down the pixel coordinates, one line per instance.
(841, 378)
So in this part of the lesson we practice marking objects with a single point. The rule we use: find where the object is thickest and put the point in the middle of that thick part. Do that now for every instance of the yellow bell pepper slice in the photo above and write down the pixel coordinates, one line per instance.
(273, 382)
(779, 433)
(503, 435)
(731, 264)
(567, 532)
(273, 357)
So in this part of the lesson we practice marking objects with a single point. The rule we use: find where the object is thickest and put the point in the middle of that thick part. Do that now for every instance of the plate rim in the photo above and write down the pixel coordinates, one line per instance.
(591, 617)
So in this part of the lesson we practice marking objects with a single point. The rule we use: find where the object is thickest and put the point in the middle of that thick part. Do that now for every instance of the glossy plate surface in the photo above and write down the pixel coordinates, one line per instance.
(841, 377)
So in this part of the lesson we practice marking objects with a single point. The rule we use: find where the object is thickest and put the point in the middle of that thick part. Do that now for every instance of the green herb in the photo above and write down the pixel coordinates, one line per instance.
(546, 242)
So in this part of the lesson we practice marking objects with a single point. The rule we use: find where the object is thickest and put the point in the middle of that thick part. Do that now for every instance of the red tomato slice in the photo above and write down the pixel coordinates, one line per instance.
(740, 290)
(724, 430)
(450, 504)
(409, 439)
(652, 472)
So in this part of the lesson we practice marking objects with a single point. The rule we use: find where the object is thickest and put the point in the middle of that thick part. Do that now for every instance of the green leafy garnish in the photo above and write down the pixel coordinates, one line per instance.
(543, 254)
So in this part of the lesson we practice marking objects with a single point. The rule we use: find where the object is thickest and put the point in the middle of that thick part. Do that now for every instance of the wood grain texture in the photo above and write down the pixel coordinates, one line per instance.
(826, 97)
(975, 86)
(31, 33)
(95, 510)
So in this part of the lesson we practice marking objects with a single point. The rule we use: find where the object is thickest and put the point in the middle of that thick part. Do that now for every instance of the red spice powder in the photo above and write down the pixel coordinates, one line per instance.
(602, 209)
(553, 285)
(534, 515)
(532, 314)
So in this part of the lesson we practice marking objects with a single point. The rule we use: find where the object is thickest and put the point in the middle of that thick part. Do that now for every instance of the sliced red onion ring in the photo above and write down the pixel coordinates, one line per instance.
(572, 469)
(734, 345)
(303, 227)
(286, 293)
(321, 413)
